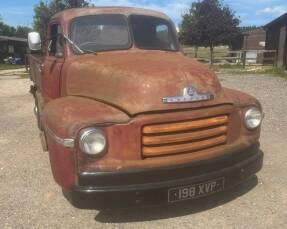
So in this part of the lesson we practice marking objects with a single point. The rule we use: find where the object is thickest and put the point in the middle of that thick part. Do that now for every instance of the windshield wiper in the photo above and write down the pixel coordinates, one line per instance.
(81, 51)
(73, 44)
(88, 51)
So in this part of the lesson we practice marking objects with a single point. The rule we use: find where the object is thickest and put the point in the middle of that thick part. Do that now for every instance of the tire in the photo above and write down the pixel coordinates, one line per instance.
(38, 116)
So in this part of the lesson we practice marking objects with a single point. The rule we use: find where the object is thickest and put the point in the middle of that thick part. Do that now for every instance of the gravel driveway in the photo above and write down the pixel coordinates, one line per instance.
(29, 198)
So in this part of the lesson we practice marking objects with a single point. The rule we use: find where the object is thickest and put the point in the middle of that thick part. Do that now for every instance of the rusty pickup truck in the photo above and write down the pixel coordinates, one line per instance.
(129, 120)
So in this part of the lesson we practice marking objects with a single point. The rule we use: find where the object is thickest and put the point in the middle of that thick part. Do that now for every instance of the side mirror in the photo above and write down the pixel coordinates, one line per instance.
(34, 41)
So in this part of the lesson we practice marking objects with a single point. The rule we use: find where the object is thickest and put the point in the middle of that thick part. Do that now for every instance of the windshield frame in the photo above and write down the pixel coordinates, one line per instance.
(132, 42)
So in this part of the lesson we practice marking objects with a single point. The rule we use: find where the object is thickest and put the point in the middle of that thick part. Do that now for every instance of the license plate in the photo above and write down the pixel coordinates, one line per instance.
(196, 190)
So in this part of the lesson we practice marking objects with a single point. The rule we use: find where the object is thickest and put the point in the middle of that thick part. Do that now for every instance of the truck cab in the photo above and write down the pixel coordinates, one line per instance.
(129, 120)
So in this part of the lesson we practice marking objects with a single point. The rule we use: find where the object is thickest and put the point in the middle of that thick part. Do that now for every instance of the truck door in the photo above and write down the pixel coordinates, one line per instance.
(53, 63)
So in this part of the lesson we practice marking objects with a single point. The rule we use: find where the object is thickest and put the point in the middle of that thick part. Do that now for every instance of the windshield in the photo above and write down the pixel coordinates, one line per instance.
(153, 33)
(101, 32)
(112, 32)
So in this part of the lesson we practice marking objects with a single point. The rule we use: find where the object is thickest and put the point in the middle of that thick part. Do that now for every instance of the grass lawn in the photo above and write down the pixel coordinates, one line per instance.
(10, 66)
(220, 66)
(24, 75)
(238, 69)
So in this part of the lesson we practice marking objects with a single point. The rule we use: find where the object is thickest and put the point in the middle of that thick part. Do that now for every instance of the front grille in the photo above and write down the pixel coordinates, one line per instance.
(184, 137)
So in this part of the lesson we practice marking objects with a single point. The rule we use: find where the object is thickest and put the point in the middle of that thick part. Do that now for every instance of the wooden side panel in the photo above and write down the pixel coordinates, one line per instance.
(36, 69)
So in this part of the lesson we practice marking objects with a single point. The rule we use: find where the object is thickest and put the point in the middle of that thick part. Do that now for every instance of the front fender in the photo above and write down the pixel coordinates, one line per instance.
(65, 116)
(62, 119)
(241, 99)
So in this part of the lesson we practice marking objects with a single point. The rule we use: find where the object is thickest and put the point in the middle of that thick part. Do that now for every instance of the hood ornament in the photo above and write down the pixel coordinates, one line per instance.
(190, 94)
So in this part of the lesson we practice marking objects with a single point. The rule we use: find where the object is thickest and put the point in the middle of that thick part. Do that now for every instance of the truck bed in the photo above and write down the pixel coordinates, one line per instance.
(35, 65)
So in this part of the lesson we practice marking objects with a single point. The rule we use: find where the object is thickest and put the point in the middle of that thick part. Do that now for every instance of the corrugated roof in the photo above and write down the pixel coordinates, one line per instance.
(6, 38)
(277, 20)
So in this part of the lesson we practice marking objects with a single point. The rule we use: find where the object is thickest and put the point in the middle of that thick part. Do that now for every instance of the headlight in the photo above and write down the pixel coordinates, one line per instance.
(253, 118)
(92, 141)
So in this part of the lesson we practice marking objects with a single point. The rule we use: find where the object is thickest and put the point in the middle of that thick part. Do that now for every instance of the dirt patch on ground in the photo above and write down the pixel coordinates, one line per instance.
(13, 72)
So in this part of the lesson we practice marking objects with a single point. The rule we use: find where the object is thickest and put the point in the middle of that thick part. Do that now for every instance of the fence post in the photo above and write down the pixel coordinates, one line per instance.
(275, 59)
(244, 58)
(211, 55)
(195, 51)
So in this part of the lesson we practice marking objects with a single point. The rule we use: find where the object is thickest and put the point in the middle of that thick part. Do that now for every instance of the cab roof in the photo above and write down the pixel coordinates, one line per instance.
(69, 14)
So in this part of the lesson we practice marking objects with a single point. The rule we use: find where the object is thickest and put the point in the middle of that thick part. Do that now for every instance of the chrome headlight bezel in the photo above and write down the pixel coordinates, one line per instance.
(86, 138)
(253, 118)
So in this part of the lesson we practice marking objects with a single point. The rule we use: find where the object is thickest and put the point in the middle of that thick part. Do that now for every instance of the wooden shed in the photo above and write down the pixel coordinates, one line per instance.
(276, 39)
(251, 41)
(12, 46)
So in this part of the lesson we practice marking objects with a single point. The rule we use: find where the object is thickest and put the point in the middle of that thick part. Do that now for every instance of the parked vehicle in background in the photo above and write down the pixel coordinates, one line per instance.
(13, 60)
(129, 120)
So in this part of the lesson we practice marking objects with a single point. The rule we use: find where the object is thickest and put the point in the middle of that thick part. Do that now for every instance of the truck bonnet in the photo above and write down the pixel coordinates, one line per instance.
(137, 82)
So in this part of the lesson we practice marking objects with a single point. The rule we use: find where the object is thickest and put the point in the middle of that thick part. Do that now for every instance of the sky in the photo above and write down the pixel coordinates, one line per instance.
(251, 12)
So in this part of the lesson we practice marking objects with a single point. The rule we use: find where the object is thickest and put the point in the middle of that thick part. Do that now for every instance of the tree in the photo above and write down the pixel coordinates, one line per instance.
(76, 3)
(44, 11)
(209, 23)
(187, 35)
(41, 18)
(22, 31)
(6, 30)
(244, 29)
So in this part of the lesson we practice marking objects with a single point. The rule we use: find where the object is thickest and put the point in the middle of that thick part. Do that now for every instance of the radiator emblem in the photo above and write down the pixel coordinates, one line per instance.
(190, 94)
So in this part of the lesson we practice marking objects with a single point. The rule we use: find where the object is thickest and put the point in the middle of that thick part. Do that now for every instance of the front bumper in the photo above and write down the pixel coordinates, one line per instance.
(149, 187)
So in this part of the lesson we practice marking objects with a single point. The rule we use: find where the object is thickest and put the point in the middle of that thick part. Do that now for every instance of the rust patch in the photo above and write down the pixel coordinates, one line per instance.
(137, 81)
(65, 116)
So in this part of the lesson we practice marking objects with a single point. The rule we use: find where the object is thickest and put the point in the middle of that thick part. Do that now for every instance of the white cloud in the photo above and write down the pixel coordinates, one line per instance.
(173, 9)
(273, 10)
(16, 10)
